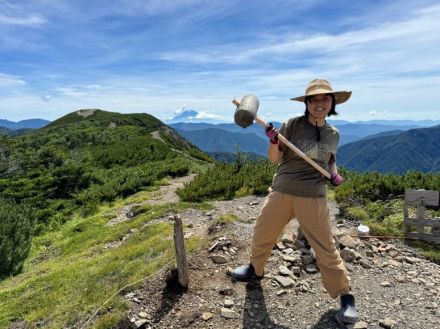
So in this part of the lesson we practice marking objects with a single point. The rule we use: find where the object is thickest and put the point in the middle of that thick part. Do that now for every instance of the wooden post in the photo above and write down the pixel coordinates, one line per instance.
(179, 244)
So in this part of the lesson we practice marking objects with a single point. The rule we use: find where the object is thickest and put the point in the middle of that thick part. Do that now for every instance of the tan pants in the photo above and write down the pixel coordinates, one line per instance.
(314, 218)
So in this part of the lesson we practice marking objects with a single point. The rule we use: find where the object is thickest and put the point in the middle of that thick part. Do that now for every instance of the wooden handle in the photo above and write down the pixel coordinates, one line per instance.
(235, 101)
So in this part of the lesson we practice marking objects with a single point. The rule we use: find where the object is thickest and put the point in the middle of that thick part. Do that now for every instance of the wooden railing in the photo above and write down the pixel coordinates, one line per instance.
(421, 199)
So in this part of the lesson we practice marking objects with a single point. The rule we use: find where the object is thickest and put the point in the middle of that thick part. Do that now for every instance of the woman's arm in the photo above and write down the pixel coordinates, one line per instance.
(273, 153)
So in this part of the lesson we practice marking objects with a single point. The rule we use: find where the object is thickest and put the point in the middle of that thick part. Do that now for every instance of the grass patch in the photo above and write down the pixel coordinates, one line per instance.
(429, 250)
(226, 219)
(69, 273)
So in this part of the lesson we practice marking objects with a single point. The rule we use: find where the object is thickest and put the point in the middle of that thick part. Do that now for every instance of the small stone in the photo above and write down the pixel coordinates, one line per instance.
(348, 255)
(206, 316)
(385, 284)
(392, 262)
(285, 282)
(281, 292)
(228, 303)
(228, 313)
(311, 268)
(219, 259)
(143, 315)
(281, 246)
(283, 270)
(361, 325)
(296, 270)
(289, 259)
(387, 323)
(140, 323)
(347, 241)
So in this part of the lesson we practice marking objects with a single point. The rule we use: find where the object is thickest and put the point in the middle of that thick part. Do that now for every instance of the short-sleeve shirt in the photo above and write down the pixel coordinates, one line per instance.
(296, 176)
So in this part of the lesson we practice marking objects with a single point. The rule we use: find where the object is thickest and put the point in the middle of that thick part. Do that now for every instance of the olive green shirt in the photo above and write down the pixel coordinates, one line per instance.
(294, 175)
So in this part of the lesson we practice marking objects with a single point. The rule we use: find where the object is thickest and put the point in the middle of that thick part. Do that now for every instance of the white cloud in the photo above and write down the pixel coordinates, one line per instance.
(30, 21)
(7, 80)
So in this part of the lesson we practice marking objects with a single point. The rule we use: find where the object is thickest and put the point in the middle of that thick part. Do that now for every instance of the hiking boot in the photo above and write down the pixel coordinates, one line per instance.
(245, 273)
(348, 313)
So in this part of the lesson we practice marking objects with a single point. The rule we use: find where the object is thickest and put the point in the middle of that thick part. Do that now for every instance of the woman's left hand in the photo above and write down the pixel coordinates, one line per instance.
(336, 179)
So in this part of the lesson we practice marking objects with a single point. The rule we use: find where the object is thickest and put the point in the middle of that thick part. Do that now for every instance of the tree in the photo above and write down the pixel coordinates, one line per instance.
(16, 230)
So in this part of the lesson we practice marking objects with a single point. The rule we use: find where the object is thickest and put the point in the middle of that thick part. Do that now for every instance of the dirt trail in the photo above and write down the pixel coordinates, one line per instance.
(394, 286)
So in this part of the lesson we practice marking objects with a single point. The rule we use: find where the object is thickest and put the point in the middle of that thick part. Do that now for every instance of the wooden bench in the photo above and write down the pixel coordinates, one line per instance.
(421, 199)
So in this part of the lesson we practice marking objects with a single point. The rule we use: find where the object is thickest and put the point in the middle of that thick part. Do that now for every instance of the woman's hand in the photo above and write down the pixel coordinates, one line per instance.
(336, 179)
(272, 133)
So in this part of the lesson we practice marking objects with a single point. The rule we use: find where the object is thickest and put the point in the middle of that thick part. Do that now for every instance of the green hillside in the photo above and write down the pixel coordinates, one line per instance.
(87, 157)
(416, 149)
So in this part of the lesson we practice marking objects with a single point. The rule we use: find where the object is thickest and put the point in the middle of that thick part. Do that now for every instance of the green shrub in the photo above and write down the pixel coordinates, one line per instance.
(16, 230)
(357, 213)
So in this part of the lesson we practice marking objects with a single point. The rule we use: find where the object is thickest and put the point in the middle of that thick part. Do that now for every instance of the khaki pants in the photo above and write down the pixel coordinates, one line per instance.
(314, 218)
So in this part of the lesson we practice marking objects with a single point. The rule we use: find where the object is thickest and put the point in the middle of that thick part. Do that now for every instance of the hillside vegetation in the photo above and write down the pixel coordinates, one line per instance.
(416, 150)
(77, 163)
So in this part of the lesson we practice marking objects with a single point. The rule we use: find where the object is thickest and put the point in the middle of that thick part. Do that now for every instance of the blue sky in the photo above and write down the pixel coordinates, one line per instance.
(160, 56)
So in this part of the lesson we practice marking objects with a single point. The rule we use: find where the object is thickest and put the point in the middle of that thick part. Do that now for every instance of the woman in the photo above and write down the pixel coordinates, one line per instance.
(299, 191)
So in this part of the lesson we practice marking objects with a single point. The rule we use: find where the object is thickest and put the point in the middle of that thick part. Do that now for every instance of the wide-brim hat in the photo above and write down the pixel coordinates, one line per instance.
(322, 86)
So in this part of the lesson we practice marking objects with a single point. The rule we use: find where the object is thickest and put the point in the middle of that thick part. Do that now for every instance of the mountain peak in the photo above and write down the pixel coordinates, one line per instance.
(189, 115)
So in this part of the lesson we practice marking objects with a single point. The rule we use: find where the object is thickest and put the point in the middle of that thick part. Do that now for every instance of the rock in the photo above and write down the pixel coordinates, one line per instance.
(285, 282)
(228, 313)
(286, 239)
(347, 241)
(206, 316)
(311, 268)
(348, 255)
(387, 323)
(365, 264)
(283, 270)
(213, 245)
(228, 303)
(361, 325)
(289, 259)
(308, 259)
(281, 246)
(281, 292)
(385, 284)
(140, 323)
(392, 262)
(226, 291)
(143, 315)
(219, 259)
(296, 270)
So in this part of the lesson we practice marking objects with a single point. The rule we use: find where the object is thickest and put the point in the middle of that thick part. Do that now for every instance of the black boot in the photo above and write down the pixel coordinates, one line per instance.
(348, 313)
(245, 273)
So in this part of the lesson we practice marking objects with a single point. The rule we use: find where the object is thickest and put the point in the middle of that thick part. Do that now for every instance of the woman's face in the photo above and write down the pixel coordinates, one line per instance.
(319, 105)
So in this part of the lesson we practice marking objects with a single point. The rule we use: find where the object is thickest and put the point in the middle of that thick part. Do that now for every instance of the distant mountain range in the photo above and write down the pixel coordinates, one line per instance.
(379, 145)
(383, 146)
(23, 124)
(416, 149)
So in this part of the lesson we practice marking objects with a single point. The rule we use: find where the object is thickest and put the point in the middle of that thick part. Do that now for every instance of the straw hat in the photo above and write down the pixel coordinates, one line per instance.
(322, 86)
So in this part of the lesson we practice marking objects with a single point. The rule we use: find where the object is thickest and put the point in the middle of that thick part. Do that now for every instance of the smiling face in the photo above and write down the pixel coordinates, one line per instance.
(319, 106)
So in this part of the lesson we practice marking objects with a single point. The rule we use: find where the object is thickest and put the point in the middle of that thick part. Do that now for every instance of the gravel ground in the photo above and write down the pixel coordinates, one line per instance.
(393, 285)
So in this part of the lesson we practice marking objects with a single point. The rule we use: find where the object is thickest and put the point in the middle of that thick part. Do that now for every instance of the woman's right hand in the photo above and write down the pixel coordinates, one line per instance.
(272, 133)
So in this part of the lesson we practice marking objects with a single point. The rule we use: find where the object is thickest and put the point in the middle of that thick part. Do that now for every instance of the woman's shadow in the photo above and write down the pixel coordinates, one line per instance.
(255, 313)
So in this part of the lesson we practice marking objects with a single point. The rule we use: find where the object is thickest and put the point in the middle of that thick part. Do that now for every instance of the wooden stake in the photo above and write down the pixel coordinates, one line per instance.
(179, 244)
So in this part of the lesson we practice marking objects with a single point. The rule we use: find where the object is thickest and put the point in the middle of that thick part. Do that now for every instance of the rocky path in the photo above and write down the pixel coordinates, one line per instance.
(394, 286)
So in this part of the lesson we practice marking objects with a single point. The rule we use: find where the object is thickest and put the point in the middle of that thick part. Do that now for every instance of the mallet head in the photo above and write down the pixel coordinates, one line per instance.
(246, 110)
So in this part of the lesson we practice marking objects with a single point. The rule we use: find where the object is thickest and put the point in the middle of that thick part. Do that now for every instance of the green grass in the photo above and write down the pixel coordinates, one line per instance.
(227, 218)
(69, 273)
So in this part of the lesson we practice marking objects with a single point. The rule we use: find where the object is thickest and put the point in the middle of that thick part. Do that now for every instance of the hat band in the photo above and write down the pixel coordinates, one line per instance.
(318, 86)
